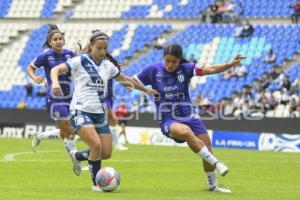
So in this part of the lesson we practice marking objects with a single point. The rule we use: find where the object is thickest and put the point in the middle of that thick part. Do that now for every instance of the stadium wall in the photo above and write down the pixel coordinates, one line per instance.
(263, 134)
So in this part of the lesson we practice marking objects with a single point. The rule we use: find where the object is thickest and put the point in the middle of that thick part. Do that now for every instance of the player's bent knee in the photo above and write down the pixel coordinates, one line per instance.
(105, 156)
(95, 146)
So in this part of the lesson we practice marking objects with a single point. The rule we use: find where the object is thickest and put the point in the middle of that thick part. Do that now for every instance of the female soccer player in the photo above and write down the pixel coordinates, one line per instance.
(91, 73)
(112, 121)
(57, 107)
(174, 108)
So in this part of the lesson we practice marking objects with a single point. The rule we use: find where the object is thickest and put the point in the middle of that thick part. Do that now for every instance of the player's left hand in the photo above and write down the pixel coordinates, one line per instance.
(236, 60)
(152, 92)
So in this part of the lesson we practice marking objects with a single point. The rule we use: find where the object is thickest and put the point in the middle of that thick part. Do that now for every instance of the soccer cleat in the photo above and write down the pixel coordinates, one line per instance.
(120, 147)
(35, 142)
(76, 163)
(222, 168)
(95, 188)
(221, 190)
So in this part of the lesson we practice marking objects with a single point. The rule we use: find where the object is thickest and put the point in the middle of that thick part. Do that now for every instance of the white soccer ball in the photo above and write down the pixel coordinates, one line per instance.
(108, 179)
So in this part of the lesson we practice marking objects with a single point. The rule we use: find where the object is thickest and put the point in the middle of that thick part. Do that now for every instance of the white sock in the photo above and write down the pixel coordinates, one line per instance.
(206, 155)
(69, 144)
(115, 136)
(52, 134)
(211, 179)
(76, 137)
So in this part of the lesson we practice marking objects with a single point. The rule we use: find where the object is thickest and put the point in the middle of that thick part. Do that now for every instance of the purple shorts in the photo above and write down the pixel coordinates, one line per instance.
(58, 110)
(194, 122)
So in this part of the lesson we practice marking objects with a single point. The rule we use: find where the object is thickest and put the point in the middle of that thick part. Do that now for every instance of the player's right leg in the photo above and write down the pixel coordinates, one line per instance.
(210, 170)
(181, 131)
(89, 136)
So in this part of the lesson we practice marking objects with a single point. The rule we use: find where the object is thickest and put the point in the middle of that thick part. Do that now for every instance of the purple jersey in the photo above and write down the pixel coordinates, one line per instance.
(174, 101)
(109, 95)
(49, 59)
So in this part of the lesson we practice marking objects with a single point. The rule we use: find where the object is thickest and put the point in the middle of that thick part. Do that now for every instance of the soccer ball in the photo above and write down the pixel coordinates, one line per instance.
(108, 179)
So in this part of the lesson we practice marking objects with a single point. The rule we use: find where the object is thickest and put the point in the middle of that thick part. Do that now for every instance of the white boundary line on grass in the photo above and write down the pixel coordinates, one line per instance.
(11, 156)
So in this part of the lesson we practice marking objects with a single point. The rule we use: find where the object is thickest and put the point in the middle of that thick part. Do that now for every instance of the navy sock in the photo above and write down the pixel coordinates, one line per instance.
(82, 155)
(94, 166)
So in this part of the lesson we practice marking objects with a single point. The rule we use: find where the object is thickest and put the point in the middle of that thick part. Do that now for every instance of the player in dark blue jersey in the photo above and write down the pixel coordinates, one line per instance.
(174, 108)
(57, 106)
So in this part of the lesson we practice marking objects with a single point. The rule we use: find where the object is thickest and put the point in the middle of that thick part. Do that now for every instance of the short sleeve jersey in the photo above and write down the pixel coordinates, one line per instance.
(90, 83)
(174, 100)
(49, 59)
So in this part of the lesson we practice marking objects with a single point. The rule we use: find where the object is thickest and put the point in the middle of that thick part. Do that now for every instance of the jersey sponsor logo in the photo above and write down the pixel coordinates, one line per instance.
(170, 88)
(51, 59)
(97, 86)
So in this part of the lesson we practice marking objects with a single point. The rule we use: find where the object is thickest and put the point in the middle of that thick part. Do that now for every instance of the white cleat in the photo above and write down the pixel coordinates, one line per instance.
(120, 147)
(35, 142)
(221, 190)
(84, 168)
(222, 168)
(76, 163)
(95, 188)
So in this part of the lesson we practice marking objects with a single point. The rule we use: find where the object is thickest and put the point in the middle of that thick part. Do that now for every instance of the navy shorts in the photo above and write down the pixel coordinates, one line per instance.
(194, 122)
(58, 110)
(98, 120)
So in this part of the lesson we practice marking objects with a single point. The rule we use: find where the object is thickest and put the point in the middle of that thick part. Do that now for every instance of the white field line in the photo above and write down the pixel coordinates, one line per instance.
(11, 158)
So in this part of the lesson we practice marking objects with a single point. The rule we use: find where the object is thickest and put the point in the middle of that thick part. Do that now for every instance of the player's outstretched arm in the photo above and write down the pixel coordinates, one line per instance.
(218, 68)
(55, 71)
(130, 83)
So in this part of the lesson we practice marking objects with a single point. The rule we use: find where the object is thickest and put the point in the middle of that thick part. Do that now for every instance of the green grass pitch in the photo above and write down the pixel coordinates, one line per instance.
(147, 172)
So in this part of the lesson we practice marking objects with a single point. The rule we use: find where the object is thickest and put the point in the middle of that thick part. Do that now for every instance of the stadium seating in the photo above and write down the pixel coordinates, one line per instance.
(207, 43)
(266, 8)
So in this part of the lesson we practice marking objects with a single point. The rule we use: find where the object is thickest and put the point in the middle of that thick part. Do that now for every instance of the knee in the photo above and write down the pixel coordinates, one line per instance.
(95, 146)
(106, 155)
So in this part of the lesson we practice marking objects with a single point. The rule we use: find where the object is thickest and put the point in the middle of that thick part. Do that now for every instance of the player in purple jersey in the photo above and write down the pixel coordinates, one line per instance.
(174, 108)
(57, 107)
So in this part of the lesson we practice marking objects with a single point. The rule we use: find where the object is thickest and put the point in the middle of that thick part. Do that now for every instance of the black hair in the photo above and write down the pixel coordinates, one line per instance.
(113, 60)
(52, 29)
(175, 50)
(98, 35)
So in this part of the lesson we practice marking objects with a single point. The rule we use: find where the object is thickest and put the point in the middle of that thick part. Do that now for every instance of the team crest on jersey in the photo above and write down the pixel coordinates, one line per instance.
(51, 59)
(180, 78)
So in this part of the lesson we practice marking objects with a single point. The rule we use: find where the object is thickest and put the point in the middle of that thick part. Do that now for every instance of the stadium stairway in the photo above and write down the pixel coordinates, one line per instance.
(167, 35)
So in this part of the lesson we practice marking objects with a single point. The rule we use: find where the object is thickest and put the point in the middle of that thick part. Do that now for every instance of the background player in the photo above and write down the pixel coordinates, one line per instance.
(57, 107)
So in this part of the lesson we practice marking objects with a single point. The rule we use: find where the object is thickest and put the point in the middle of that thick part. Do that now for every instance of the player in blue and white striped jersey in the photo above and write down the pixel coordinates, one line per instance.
(91, 73)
